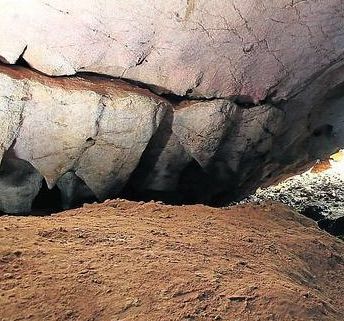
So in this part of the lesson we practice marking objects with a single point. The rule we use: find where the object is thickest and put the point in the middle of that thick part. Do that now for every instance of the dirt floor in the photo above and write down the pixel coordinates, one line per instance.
(133, 261)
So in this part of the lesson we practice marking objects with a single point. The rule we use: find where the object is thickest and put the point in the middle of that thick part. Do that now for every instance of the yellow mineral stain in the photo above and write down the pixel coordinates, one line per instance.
(338, 157)
(190, 7)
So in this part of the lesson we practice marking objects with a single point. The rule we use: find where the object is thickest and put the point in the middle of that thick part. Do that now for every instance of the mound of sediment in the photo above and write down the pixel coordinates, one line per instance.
(133, 261)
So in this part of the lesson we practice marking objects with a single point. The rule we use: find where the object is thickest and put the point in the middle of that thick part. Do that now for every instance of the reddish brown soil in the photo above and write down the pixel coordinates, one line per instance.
(133, 261)
(321, 166)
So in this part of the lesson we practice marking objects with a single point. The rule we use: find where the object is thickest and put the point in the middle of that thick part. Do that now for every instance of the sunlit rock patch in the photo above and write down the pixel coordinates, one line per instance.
(317, 193)
(320, 189)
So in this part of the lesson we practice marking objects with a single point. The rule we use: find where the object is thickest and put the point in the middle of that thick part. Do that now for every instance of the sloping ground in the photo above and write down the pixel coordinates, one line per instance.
(133, 261)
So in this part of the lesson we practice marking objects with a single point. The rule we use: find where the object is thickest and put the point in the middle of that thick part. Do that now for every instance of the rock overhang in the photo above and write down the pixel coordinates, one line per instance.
(180, 125)
(206, 49)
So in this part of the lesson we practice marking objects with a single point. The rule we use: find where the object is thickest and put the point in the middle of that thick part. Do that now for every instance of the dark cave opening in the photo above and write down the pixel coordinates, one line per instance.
(47, 201)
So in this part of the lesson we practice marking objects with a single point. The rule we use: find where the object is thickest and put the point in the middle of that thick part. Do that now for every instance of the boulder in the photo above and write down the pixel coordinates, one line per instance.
(93, 128)
(20, 183)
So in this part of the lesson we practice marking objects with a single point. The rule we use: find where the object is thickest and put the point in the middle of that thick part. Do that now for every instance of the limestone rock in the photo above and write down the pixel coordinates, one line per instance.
(97, 130)
(252, 48)
(237, 94)
(11, 110)
(19, 184)
(56, 127)
(96, 137)
(125, 128)
(201, 127)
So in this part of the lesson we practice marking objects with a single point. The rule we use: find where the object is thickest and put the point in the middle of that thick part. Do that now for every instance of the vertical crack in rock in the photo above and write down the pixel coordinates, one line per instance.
(127, 125)
(56, 125)
(11, 111)
(190, 8)
(90, 141)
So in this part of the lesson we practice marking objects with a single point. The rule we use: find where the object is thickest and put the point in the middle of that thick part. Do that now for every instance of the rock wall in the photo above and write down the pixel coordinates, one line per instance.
(217, 48)
(184, 101)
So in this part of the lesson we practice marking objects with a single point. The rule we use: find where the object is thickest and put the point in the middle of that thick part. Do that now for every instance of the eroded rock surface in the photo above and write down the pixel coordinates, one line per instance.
(97, 130)
(204, 48)
(20, 183)
(98, 138)
(237, 94)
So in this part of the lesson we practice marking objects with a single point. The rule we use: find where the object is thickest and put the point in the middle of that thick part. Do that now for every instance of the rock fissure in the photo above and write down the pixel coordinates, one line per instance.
(243, 101)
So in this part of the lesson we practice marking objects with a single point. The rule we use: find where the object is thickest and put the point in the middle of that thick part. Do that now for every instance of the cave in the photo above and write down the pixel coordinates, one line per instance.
(129, 140)
(236, 110)
(171, 160)
(186, 150)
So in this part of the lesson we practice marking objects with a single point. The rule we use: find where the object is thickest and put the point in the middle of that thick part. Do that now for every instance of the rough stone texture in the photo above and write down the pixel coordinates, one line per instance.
(312, 193)
(202, 138)
(238, 94)
(97, 130)
(99, 138)
(124, 130)
(205, 48)
(19, 184)
(10, 113)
